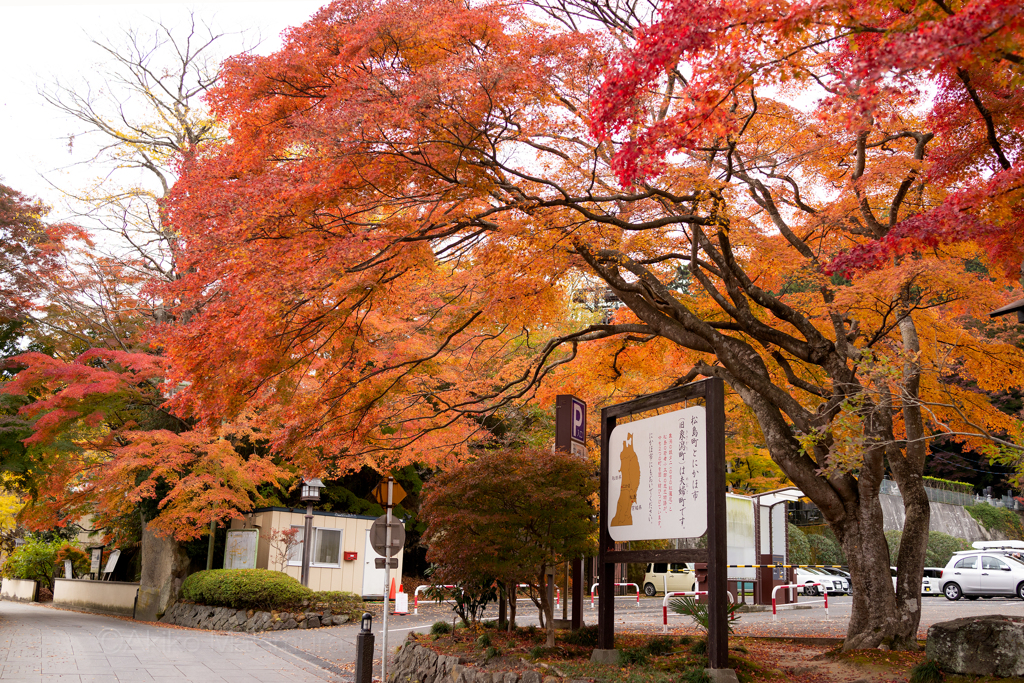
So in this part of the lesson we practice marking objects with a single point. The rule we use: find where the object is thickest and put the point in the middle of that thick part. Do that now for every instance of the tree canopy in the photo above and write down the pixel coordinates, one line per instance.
(508, 515)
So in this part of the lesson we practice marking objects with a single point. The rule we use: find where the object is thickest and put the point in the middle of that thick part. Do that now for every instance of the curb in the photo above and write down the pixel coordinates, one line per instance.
(295, 652)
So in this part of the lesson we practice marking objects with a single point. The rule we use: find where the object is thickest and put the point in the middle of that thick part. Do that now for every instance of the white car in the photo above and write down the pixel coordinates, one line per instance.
(829, 584)
(982, 573)
(931, 583)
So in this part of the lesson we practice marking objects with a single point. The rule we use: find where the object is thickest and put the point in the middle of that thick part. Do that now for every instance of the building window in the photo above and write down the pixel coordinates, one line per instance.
(326, 550)
(295, 548)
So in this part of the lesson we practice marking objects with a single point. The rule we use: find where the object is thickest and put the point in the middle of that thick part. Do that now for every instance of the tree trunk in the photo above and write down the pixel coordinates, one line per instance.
(873, 618)
(512, 608)
(880, 616)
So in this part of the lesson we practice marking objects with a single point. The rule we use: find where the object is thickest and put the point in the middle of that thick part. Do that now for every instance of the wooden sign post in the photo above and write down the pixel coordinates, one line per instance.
(663, 479)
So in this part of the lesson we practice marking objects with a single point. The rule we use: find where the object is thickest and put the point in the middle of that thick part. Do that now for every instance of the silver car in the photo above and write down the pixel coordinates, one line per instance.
(976, 573)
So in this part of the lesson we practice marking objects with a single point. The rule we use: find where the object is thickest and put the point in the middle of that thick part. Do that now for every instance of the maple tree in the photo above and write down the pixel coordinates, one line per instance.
(388, 250)
(509, 515)
(96, 435)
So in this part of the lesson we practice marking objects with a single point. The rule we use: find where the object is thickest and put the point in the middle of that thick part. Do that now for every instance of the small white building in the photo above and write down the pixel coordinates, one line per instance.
(341, 559)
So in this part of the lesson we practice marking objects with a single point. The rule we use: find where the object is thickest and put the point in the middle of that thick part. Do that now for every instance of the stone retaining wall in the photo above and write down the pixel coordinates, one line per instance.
(228, 619)
(415, 663)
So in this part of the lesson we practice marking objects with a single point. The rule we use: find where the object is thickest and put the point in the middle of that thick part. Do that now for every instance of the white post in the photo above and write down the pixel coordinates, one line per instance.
(387, 584)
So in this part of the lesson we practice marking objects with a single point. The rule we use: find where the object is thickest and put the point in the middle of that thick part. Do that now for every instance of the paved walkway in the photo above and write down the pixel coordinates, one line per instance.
(43, 644)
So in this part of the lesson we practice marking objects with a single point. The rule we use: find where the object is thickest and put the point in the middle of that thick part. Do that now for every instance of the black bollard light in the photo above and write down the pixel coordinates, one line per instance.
(364, 650)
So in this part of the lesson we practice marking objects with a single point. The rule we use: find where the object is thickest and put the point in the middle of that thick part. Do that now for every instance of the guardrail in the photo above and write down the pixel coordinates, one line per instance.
(806, 602)
(593, 592)
(664, 604)
(424, 587)
(558, 593)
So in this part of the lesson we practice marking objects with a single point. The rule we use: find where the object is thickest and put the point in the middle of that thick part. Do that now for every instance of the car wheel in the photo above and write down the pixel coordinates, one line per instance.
(649, 590)
(952, 591)
(1020, 590)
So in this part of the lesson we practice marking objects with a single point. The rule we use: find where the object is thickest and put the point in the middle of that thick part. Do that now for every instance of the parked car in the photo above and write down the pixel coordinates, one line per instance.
(842, 573)
(675, 577)
(931, 583)
(982, 573)
(829, 583)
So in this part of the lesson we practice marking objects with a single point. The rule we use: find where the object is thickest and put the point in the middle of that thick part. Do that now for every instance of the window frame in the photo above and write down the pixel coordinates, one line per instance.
(316, 542)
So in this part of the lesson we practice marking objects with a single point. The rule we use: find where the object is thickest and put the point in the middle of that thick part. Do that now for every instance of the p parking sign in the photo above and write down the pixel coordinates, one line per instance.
(570, 424)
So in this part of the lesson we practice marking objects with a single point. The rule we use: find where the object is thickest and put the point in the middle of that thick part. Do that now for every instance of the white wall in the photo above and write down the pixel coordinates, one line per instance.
(348, 577)
(22, 590)
(105, 597)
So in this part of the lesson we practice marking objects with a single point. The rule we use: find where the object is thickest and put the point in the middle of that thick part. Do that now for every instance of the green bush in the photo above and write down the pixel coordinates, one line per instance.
(947, 485)
(584, 637)
(245, 589)
(823, 550)
(695, 676)
(35, 560)
(926, 672)
(661, 646)
(339, 602)
(634, 655)
(941, 547)
(799, 550)
(441, 628)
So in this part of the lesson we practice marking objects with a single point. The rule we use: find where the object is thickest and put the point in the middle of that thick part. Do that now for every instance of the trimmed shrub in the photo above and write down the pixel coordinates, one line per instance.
(339, 602)
(823, 550)
(799, 550)
(245, 589)
(440, 628)
(941, 547)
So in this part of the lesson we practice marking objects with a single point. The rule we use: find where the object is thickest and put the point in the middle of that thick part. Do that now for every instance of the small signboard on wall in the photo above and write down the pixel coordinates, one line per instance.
(240, 548)
(657, 477)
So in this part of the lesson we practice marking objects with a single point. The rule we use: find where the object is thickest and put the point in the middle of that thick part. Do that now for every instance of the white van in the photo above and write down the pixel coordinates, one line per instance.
(662, 576)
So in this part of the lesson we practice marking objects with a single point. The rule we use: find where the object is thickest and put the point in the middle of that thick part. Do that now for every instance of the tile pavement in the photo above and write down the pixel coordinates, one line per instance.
(42, 645)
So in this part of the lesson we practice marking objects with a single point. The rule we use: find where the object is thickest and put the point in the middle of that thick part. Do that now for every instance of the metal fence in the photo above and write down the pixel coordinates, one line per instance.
(954, 497)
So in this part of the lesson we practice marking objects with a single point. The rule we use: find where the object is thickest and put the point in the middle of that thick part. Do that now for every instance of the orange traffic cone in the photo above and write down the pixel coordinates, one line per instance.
(391, 595)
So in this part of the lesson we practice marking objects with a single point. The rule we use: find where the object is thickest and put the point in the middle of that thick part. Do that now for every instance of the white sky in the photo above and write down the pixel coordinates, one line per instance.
(44, 40)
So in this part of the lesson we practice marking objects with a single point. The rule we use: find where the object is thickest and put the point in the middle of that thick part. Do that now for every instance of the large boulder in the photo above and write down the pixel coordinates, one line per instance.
(980, 646)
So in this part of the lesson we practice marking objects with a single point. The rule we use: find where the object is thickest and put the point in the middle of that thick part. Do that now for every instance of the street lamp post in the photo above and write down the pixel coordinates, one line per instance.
(310, 494)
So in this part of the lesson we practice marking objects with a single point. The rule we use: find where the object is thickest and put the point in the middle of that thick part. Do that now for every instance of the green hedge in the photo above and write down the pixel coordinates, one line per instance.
(799, 550)
(947, 485)
(244, 589)
(263, 589)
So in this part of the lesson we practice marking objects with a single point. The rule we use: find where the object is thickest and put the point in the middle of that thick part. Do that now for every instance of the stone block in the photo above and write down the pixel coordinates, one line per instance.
(531, 676)
(979, 646)
(605, 657)
(313, 622)
(722, 675)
